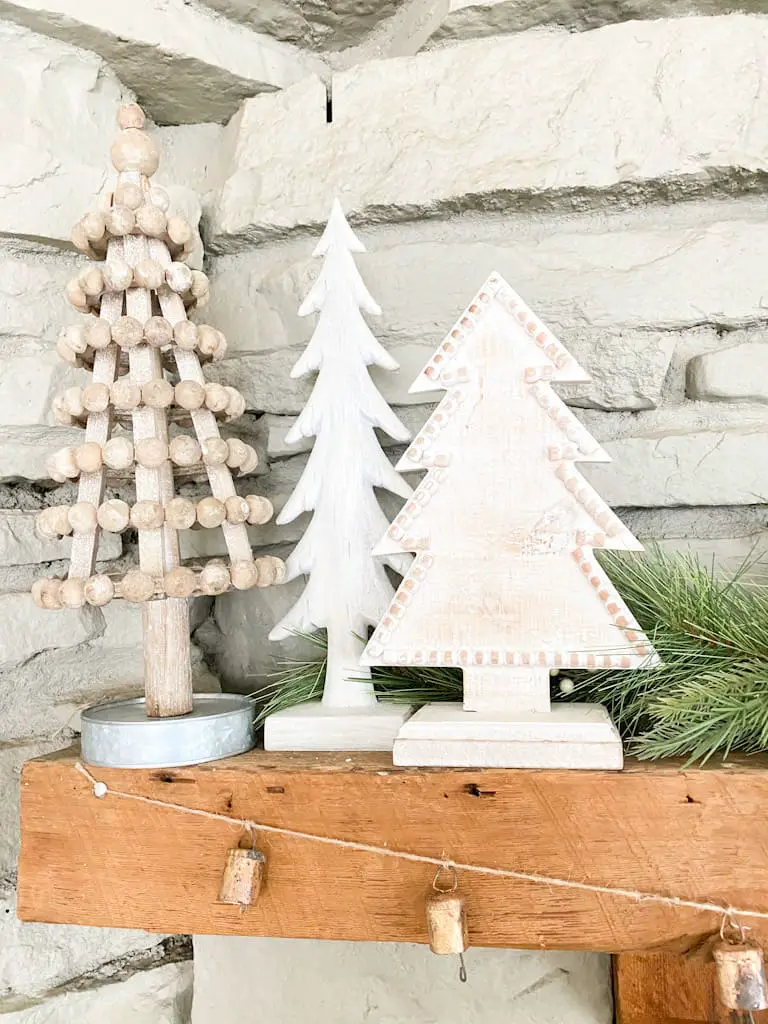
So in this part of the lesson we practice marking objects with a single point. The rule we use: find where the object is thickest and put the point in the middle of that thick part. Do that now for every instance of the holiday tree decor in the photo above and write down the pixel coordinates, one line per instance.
(504, 583)
(146, 386)
(347, 590)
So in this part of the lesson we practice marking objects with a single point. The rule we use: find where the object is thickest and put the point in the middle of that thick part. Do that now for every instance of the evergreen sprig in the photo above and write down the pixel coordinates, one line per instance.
(709, 696)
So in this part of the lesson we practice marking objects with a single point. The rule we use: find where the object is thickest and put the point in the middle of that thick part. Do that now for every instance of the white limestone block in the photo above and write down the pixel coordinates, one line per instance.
(186, 64)
(33, 308)
(159, 996)
(735, 374)
(29, 630)
(28, 384)
(20, 544)
(25, 450)
(314, 726)
(615, 109)
(567, 736)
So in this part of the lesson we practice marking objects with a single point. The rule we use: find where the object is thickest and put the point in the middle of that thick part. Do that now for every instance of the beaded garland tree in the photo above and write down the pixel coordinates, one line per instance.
(145, 358)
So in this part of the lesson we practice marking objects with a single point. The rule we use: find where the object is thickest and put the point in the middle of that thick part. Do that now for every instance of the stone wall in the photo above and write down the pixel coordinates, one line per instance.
(609, 159)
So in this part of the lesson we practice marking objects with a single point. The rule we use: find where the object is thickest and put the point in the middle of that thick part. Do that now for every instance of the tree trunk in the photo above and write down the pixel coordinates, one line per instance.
(347, 683)
(167, 665)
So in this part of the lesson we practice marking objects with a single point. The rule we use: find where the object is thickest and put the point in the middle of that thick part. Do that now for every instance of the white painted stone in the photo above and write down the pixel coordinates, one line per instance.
(470, 19)
(201, 66)
(314, 726)
(28, 630)
(616, 108)
(35, 958)
(25, 450)
(32, 305)
(394, 983)
(20, 544)
(735, 374)
(28, 385)
(160, 996)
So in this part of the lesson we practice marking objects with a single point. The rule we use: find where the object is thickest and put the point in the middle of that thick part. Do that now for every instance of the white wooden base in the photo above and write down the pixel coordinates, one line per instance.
(313, 726)
(568, 736)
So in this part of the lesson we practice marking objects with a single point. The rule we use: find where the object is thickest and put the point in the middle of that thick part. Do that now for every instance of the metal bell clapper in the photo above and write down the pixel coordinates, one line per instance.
(446, 918)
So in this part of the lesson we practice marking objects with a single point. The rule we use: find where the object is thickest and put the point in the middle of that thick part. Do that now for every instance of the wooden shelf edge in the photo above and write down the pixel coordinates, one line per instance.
(662, 828)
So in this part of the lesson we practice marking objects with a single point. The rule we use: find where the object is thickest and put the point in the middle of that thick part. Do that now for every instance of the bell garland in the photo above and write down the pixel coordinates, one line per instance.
(708, 697)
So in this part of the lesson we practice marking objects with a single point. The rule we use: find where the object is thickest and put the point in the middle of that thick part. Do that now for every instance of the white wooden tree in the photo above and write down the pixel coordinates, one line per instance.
(504, 583)
(347, 590)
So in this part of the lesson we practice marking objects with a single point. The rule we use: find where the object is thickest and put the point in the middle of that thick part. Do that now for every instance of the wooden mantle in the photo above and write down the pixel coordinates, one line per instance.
(694, 832)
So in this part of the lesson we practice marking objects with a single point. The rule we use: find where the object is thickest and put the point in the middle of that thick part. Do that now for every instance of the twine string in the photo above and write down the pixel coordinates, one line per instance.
(100, 790)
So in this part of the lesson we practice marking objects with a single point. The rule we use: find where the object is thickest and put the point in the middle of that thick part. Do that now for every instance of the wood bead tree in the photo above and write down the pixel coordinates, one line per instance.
(145, 360)
(347, 589)
(505, 584)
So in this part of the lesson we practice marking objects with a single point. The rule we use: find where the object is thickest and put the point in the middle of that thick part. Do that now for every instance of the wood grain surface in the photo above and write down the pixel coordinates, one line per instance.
(691, 832)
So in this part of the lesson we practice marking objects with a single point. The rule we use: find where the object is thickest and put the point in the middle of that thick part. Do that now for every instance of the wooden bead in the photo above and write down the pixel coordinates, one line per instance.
(127, 332)
(137, 586)
(82, 517)
(180, 513)
(99, 590)
(179, 278)
(75, 337)
(148, 274)
(237, 509)
(184, 451)
(251, 462)
(207, 339)
(260, 509)
(130, 115)
(117, 275)
(211, 512)
(76, 296)
(121, 220)
(45, 593)
(244, 575)
(185, 335)
(98, 334)
(216, 397)
(199, 285)
(92, 282)
(60, 414)
(53, 522)
(151, 221)
(157, 393)
(72, 593)
(94, 226)
(236, 404)
(158, 332)
(134, 150)
(118, 453)
(271, 570)
(64, 462)
(74, 401)
(113, 515)
(88, 457)
(80, 239)
(147, 515)
(189, 394)
(237, 452)
(180, 582)
(130, 195)
(151, 452)
(65, 351)
(124, 394)
(95, 397)
(215, 451)
(214, 578)
(179, 230)
(159, 197)
(221, 348)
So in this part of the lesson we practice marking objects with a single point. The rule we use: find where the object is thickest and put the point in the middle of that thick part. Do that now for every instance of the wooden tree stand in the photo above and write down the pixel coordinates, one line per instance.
(696, 833)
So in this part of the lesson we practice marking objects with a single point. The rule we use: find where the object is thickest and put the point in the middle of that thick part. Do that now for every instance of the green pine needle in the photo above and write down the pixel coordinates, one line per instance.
(709, 696)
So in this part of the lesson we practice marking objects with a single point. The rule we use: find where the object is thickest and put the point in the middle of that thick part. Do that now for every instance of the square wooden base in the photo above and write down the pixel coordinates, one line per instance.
(568, 736)
(313, 726)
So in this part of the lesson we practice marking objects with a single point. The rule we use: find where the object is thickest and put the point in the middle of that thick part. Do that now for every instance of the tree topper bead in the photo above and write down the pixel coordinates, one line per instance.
(127, 332)
(99, 590)
(75, 337)
(199, 286)
(65, 351)
(214, 578)
(118, 453)
(130, 115)
(180, 513)
(76, 295)
(82, 517)
(207, 339)
(147, 515)
(113, 515)
(184, 450)
(260, 509)
(137, 587)
(158, 332)
(134, 150)
(236, 404)
(180, 582)
(211, 512)
(80, 239)
(72, 593)
(151, 452)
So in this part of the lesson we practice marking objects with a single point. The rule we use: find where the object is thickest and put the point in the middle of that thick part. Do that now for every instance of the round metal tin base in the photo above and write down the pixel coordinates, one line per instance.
(120, 735)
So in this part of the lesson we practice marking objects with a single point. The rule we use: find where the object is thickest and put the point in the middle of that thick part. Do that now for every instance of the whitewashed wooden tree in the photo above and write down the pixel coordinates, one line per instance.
(145, 360)
(504, 583)
(347, 590)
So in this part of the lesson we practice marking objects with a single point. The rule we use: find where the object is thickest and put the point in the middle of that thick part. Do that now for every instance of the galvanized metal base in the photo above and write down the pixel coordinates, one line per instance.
(120, 735)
